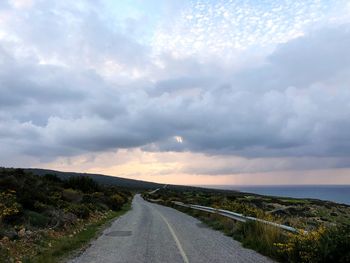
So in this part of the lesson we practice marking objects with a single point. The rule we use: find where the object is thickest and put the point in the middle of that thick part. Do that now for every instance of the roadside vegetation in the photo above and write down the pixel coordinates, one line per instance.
(327, 224)
(44, 218)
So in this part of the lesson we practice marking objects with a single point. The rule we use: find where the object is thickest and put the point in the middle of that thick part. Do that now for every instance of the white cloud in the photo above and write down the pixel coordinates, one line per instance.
(22, 3)
(221, 27)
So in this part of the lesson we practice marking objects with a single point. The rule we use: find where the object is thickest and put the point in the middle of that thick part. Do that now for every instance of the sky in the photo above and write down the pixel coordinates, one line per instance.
(186, 92)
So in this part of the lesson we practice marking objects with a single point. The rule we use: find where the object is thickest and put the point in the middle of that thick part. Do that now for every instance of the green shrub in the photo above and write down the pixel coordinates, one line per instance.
(82, 183)
(87, 199)
(37, 219)
(80, 210)
(98, 197)
(4, 253)
(116, 202)
(330, 244)
(8, 204)
(52, 178)
(72, 195)
(40, 207)
(54, 198)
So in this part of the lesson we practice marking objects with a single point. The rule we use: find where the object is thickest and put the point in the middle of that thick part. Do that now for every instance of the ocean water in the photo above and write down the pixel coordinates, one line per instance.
(335, 193)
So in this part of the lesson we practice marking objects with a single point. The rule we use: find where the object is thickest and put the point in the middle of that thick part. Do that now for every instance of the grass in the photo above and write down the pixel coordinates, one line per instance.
(329, 244)
(294, 201)
(65, 246)
(327, 223)
(261, 237)
(254, 235)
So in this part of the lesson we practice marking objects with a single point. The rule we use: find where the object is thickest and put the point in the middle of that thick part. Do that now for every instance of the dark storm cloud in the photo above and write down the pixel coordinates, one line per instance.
(62, 100)
(294, 105)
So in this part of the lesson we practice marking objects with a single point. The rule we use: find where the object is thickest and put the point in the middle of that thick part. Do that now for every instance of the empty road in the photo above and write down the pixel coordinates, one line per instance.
(154, 233)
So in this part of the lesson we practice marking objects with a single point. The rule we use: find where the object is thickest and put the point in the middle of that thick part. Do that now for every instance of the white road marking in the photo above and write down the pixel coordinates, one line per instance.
(182, 252)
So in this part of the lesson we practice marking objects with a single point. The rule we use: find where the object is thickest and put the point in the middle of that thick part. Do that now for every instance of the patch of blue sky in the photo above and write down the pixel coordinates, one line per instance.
(144, 14)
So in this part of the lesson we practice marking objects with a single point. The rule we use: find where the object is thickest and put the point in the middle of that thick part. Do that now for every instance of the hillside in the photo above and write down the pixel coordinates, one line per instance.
(47, 216)
(100, 178)
(130, 184)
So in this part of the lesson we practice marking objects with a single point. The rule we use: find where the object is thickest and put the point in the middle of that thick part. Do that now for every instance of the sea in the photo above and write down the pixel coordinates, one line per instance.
(335, 193)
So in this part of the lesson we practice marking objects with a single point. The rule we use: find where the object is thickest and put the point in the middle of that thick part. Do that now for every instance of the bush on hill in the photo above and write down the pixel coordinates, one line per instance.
(84, 184)
(43, 201)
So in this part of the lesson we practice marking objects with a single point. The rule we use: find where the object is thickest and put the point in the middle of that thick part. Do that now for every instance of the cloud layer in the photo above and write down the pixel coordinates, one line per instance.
(77, 79)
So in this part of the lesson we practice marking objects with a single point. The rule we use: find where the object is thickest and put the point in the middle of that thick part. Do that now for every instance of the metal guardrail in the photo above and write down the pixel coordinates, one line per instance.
(154, 191)
(236, 216)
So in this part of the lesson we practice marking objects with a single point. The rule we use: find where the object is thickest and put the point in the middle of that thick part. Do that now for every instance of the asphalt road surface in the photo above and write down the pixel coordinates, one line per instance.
(153, 233)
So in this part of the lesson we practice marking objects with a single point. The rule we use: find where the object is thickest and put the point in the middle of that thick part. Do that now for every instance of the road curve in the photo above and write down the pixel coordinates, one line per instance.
(154, 233)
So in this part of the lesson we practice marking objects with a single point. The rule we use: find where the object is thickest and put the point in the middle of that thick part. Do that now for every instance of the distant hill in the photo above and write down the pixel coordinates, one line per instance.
(130, 184)
(100, 178)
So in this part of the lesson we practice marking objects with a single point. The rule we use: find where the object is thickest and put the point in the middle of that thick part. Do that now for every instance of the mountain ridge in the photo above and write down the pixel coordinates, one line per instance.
(100, 178)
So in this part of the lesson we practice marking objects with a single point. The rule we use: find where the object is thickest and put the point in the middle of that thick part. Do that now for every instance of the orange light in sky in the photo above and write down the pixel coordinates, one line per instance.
(191, 169)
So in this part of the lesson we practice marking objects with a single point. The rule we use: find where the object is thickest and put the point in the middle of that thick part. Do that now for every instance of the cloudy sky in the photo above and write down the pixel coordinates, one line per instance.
(190, 92)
